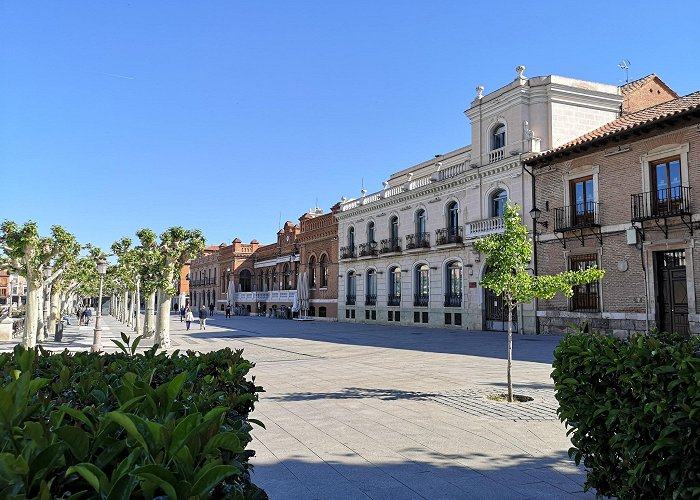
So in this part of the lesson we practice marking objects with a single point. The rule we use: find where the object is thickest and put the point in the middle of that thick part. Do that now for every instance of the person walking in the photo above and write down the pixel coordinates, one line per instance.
(228, 310)
(182, 313)
(202, 317)
(211, 309)
(88, 315)
(189, 317)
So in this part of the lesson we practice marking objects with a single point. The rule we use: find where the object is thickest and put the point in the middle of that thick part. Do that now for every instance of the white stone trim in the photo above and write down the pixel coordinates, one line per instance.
(665, 151)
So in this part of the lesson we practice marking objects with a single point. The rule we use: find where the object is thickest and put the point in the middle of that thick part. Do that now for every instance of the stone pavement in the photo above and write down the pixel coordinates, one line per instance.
(379, 412)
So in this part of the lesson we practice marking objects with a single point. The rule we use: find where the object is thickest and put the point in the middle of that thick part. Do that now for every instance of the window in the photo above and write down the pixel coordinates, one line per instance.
(371, 295)
(394, 230)
(453, 281)
(370, 233)
(287, 277)
(498, 203)
(582, 200)
(394, 298)
(453, 217)
(244, 281)
(274, 279)
(585, 298)
(312, 272)
(420, 222)
(666, 185)
(422, 285)
(351, 237)
(350, 292)
(498, 137)
(322, 312)
(323, 264)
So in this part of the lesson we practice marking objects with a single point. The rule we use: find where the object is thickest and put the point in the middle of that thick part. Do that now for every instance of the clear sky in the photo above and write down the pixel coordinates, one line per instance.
(227, 115)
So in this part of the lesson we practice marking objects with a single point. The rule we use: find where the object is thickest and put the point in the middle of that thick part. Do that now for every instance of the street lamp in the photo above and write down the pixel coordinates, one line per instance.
(48, 270)
(97, 336)
(536, 213)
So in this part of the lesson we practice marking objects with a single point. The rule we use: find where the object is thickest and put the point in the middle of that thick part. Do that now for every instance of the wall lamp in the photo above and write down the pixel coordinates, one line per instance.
(536, 213)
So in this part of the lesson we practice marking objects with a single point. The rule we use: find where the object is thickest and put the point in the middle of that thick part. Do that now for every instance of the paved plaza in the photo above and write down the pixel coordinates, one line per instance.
(358, 411)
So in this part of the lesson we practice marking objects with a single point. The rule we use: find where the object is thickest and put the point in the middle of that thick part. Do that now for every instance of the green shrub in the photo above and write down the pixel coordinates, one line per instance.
(126, 425)
(633, 411)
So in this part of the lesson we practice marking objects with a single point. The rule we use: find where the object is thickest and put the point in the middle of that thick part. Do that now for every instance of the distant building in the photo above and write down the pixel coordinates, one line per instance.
(203, 272)
(5, 288)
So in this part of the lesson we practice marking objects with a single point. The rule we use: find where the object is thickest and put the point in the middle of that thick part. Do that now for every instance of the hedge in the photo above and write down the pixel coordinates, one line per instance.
(632, 407)
(126, 425)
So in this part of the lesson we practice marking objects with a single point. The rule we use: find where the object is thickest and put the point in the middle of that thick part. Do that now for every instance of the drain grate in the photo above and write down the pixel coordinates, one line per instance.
(475, 402)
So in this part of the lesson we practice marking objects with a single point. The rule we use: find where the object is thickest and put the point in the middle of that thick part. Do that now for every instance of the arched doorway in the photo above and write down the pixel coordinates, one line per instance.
(496, 312)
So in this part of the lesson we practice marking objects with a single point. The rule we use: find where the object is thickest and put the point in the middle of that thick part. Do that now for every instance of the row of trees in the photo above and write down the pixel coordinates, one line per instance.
(60, 272)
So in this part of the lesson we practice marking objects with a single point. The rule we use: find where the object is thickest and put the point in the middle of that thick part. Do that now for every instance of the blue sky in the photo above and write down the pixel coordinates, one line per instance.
(224, 115)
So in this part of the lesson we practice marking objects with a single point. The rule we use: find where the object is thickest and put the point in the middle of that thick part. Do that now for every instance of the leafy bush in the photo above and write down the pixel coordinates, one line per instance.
(126, 425)
(633, 411)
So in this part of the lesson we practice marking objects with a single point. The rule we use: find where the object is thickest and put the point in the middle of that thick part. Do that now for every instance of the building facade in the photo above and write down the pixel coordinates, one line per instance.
(406, 252)
(237, 265)
(203, 272)
(5, 288)
(620, 197)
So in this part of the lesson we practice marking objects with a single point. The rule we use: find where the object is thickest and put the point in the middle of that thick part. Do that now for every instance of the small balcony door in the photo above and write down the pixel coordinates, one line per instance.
(666, 195)
(582, 201)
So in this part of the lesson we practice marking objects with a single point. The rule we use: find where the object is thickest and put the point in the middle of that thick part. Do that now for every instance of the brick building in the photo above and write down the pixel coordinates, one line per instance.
(620, 197)
(203, 272)
(236, 264)
(5, 288)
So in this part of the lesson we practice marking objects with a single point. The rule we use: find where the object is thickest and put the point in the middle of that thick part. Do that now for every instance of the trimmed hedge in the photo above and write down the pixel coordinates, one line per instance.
(633, 411)
(126, 425)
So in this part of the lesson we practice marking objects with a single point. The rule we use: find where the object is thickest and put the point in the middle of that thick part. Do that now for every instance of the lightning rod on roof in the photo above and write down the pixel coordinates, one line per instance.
(625, 64)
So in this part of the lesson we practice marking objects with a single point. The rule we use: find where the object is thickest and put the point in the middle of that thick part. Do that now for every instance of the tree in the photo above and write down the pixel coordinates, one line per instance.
(508, 259)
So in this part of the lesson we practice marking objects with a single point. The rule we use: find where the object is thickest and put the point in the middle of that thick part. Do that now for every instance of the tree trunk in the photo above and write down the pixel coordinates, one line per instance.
(163, 324)
(148, 322)
(510, 352)
(32, 318)
(54, 310)
(137, 305)
(127, 308)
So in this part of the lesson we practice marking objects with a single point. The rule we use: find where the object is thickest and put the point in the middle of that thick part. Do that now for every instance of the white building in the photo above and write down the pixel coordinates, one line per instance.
(406, 252)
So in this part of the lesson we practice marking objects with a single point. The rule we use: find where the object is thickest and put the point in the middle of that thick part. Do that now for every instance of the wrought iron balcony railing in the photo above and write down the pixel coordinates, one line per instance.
(368, 249)
(421, 300)
(390, 245)
(577, 216)
(350, 299)
(417, 240)
(661, 203)
(371, 299)
(347, 252)
(448, 235)
(393, 300)
(453, 300)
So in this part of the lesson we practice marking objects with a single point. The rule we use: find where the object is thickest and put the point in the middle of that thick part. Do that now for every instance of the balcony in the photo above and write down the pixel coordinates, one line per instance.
(417, 240)
(347, 252)
(497, 155)
(368, 249)
(393, 300)
(391, 245)
(371, 299)
(660, 204)
(350, 300)
(578, 216)
(420, 300)
(453, 300)
(449, 235)
(485, 227)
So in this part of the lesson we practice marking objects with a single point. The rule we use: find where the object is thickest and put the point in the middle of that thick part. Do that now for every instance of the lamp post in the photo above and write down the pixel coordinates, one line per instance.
(47, 274)
(97, 336)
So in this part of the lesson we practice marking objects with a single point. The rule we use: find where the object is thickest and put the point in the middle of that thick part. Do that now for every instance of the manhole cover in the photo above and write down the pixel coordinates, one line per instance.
(475, 402)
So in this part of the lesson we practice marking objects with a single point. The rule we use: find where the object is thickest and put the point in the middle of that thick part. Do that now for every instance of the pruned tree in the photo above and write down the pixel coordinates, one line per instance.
(508, 259)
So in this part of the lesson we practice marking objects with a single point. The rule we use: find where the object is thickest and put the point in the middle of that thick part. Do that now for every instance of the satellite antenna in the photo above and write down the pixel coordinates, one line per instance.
(625, 64)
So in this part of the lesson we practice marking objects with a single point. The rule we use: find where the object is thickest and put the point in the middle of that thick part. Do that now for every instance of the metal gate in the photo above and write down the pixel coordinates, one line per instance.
(672, 292)
(497, 312)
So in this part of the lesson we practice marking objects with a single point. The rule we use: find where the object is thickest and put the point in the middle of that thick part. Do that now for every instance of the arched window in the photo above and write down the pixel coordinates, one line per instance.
(394, 231)
(274, 279)
(286, 277)
(498, 137)
(453, 217)
(422, 279)
(498, 203)
(244, 281)
(394, 298)
(350, 289)
(351, 237)
(312, 272)
(420, 222)
(323, 270)
(267, 281)
(370, 233)
(371, 292)
(453, 284)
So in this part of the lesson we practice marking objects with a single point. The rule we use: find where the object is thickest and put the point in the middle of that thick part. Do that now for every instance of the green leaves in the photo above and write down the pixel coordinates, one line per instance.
(632, 408)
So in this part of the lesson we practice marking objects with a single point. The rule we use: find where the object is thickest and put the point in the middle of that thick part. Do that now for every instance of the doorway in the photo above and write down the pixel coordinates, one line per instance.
(672, 292)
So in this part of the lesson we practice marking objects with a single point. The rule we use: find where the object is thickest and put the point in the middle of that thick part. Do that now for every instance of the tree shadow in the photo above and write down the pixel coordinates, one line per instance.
(354, 393)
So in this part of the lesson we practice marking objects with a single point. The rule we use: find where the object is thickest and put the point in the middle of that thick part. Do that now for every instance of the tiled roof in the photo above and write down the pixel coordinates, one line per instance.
(627, 122)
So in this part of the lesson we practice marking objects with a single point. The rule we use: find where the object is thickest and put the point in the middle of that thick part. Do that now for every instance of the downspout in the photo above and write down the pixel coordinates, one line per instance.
(534, 245)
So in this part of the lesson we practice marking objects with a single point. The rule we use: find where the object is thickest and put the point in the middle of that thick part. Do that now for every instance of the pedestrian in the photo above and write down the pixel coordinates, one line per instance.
(211, 309)
(182, 313)
(81, 315)
(88, 315)
(228, 310)
(202, 317)
(189, 317)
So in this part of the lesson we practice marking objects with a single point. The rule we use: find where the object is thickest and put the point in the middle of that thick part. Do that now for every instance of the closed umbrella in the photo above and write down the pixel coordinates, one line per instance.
(304, 295)
(295, 301)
